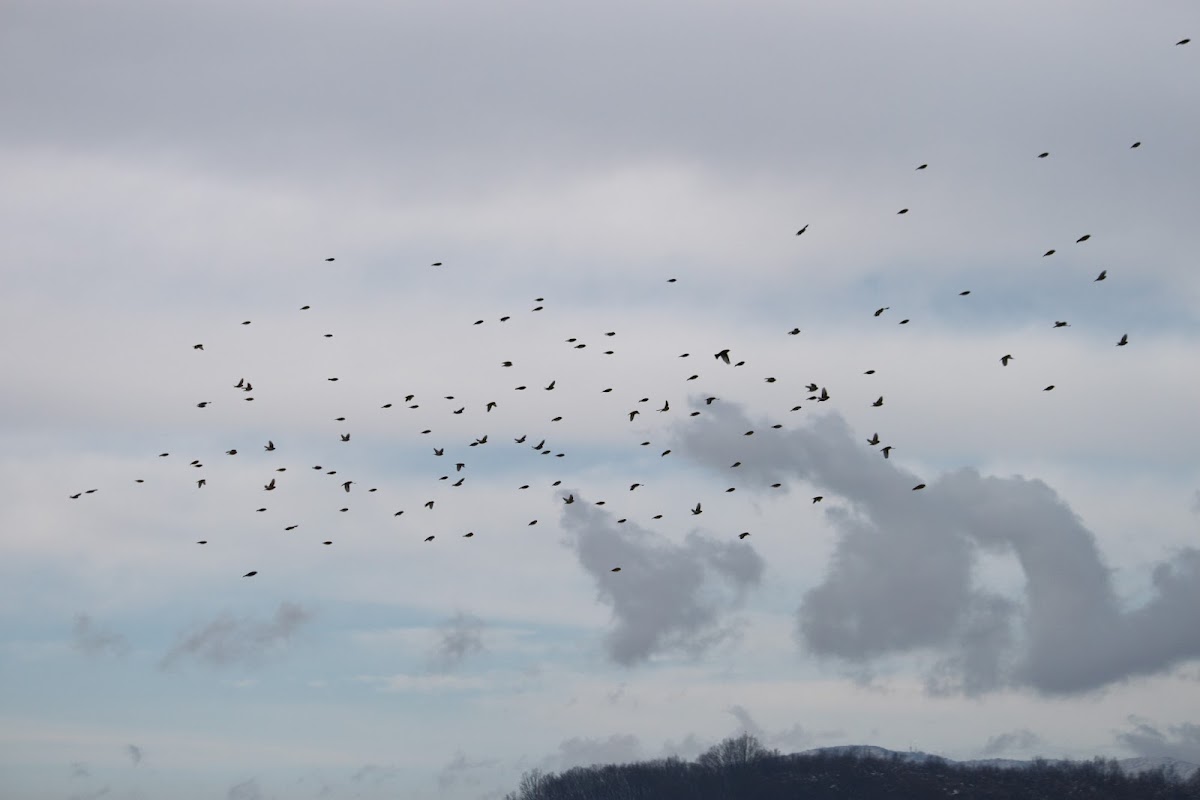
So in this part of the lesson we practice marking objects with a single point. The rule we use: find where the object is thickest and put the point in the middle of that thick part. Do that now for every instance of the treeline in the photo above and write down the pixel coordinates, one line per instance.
(742, 769)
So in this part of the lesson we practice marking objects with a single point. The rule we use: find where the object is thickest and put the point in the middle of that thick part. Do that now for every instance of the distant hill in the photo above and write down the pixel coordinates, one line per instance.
(741, 768)
(1129, 766)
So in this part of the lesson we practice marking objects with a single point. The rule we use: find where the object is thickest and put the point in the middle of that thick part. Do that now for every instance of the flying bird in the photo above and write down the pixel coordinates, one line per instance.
(345, 437)
(743, 534)
(250, 574)
(802, 230)
(1061, 324)
(918, 487)
(902, 211)
(874, 440)
(1135, 144)
(270, 486)
(879, 311)
(1048, 253)
(818, 498)
(1005, 359)
(1043, 155)
(1124, 340)
(1083, 238)
(197, 347)
(1103, 274)
(794, 332)
(1048, 388)
(346, 486)
(569, 499)
(723, 355)
(878, 402)
(1182, 41)
(923, 166)
(696, 510)
(885, 450)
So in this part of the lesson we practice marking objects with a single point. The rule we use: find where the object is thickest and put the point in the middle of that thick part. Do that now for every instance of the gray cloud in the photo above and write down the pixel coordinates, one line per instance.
(1179, 741)
(89, 638)
(788, 740)
(135, 753)
(226, 641)
(1020, 740)
(668, 597)
(461, 770)
(901, 576)
(620, 748)
(374, 774)
(458, 637)
(246, 790)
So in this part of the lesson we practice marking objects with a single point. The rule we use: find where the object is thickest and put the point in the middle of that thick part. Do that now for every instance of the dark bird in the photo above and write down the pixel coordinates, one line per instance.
(551, 386)
(346, 486)
(1060, 324)
(461, 410)
(540, 445)
(478, 322)
(458, 482)
(735, 464)
(708, 401)
(769, 380)
(481, 439)
(490, 405)
(634, 486)
(1182, 41)
(250, 574)
(923, 166)
(231, 452)
(802, 230)
(269, 446)
(664, 453)
(1135, 144)
(1048, 253)
(670, 280)
(76, 496)
(241, 382)
(1083, 238)
(633, 414)
(270, 486)
(197, 347)
(697, 510)
(1043, 155)
(812, 387)
(305, 308)
(429, 504)
(1103, 274)
(818, 498)
(247, 322)
(693, 377)
(903, 322)
(885, 450)
(468, 534)
(1124, 340)
(878, 402)
(918, 487)
(429, 538)
(569, 499)
(386, 405)
(326, 542)
(436, 264)
(90, 491)
(874, 440)
(869, 372)
(723, 355)
(964, 294)
(202, 541)
(521, 440)
(163, 455)
(1005, 359)
(794, 332)
(615, 569)
(824, 395)
(291, 527)
(1048, 388)
(881, 310)
(457, 468)
(329, 259)
(331, 379)
(202, 405)
(666, 406)
(345, 437)
(743, 534)
(902, 211)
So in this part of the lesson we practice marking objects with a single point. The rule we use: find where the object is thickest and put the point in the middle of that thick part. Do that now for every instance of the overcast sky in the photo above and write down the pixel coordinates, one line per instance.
(173, 170)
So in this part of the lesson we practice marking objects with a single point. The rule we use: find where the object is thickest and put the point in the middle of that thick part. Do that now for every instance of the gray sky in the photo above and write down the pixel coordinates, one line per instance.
(173, 170)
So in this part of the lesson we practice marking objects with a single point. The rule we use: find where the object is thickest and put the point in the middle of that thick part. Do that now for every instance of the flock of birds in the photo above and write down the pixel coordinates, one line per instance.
(816, 393)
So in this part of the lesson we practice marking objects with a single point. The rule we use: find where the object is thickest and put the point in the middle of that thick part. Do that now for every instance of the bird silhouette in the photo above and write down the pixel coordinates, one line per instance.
(1103, 274)
(250, 574)
(697, 510)
(1124, 340)
(270, 487)
(345, 437)
(723, 355)
(802, 230)
(1083, 238)
(886, 449)
(918, 487)
(874, 440)
(1005, 359)
(569, 499)
(878, 402)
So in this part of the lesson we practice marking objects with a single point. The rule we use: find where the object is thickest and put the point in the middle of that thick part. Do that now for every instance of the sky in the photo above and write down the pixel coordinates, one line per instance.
(402, 196)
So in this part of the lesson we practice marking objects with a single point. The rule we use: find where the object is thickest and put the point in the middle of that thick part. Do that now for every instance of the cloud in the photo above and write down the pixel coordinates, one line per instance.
(788, 740)
(88, 638)
(667, 597)
(374, 774)
(461, 770)
(1180, 741)
(227, 641)
(620, 748)
(1020, 740)
(135, 753)
(901, 577)
(458, 637)
(80, 770)
(246, 790)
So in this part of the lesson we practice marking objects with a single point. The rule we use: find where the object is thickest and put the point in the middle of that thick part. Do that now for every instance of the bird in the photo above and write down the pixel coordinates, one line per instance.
(923, 166)
(269, 486)
(458, 482)
(241, 382)
(874, 440)
(802, 230)
(1135, 144)
(163, 455)
(743, 534)
(468, 534)
(291, 527)
(1103, 274)
(247, 322)
(633, 414)
(429, 538)
(569, 499)
(480, 440)
(965, 293)
(885, 450)
(794, 332)
(903, 322)
(436, 264)
(202, 541)
(818, 498)
(1049, 252)
(1005, 359)
(879, 311)
(231, 452)
(1124, 340)
(1061, 324)
(1048, 388)
(202, 405)
(1043, 155)
(666, 406)
(200, 483)
(634, 486)
(824, 395)
(1083, 238)
(615, 569)
(769, 380)
(438, 451)
(345, 437)
(521, 440)
(723, 355)
(346, 486)
(902, 211)
(697, 510)
(918, 487)
(551, 386)
(708, 401)
(329, 259)
(490, 405)
(305, 308)
(1182, 41)
(429, 504)
(326, 542)
(76, 496)
(197, 347)
(457, 468)
(878, 402)
(869, 372)
(250, 574)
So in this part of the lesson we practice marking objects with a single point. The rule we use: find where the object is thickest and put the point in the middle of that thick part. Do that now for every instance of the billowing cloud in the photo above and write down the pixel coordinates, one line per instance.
(667, 596)
(620, 748)
(1180, 741)
(458, 637)
(901, 578)
(89, 638)
(246, 790)
(227, 641)
(788, 740)
(1018, 741)
(461, 770)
